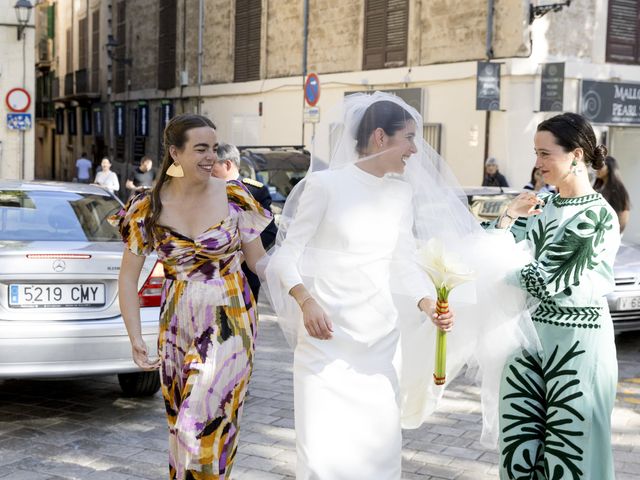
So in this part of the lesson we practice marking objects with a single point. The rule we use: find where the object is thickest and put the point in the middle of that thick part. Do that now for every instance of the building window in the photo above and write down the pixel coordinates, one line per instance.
(247, 46)
(95, 51)
(386, 23)
(623, 31)
(166, 72)
(121, 49)
(69, 37)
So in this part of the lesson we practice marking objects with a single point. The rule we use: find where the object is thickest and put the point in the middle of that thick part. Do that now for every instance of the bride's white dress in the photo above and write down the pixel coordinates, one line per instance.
(351, 227)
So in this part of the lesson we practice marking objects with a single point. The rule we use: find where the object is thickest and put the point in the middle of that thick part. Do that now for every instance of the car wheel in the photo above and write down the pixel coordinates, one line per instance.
(139, 384)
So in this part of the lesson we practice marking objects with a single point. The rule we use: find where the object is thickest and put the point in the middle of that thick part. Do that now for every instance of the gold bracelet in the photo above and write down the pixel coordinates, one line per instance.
(506, 214)
(304, 300)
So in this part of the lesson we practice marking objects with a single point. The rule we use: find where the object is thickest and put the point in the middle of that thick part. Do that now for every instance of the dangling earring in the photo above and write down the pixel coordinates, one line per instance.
(175, 170)
(574, 168)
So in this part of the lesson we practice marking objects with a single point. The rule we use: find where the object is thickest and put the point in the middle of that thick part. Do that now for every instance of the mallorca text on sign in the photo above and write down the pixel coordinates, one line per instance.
(611, 102)
(488, 86)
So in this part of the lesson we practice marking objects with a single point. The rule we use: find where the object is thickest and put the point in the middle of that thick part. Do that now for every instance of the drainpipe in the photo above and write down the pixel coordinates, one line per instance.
(200, 51)
(489, 54)
(305, 38)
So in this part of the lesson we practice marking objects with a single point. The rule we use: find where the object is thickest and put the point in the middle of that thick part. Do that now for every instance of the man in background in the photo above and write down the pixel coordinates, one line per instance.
(83, 168)
(226, 167)
(142, 177)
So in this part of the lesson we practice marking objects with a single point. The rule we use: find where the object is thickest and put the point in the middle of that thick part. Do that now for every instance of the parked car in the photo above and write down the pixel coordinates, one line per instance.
(279, 168)
(59, 264)
(487, 203)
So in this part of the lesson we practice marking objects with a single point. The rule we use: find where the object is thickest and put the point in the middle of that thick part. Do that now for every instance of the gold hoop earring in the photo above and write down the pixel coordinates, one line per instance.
(175, 170)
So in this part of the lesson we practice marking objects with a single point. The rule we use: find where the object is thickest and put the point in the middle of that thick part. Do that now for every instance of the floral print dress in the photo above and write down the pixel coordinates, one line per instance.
(207, 330)
(555, 410)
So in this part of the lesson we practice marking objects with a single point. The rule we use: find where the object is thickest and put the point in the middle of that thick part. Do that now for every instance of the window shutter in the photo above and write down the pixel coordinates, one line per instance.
(385, 33)
(95, 51)
(167, 35)
(623, 31)
(83, 42)
(69, 51)
(247, 40)
(120, 50)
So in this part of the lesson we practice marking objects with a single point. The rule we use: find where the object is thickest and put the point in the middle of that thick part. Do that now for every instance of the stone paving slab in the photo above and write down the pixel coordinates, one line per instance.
(84, 429)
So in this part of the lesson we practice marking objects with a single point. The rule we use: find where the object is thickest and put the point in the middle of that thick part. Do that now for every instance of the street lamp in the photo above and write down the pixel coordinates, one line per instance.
(23, 14)
(539, 11)
(111, 45)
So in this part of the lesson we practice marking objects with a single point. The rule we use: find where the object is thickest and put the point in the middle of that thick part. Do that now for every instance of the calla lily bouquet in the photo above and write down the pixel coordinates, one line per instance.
(446, 271)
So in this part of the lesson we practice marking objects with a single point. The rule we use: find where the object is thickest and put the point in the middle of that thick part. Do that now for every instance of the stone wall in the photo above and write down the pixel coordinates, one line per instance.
(142, 43)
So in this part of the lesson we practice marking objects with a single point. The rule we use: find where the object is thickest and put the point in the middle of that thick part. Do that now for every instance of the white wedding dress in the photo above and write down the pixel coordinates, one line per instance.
(350, 229)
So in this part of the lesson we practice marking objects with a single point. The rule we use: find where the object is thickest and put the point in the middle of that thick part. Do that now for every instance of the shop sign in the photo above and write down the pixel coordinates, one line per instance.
(611, 102)
(488, 86)
(552, 87)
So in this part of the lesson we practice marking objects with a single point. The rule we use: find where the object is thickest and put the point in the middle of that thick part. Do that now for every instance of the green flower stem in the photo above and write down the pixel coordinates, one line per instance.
(440, 370)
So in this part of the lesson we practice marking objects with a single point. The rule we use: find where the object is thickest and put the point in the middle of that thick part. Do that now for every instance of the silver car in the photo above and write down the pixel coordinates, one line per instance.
(487, 203)
(59, 264)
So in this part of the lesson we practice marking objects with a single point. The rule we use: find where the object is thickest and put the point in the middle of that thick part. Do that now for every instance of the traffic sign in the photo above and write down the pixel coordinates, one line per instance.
(18, 100)
(312, 90)
(19, 121)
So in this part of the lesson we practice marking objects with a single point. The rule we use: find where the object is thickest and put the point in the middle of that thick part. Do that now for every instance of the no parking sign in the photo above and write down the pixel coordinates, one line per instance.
(312, 89)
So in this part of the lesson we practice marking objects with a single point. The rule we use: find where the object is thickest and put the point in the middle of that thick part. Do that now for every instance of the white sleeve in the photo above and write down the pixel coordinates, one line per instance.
(114, 184)
(407, 276)
(310, 212)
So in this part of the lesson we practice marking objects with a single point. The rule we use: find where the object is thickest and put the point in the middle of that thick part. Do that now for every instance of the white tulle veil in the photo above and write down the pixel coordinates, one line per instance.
(492, 314)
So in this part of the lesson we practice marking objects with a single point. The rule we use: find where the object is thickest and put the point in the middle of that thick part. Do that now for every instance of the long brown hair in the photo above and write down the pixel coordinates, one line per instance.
(175, 133)
(613, 190)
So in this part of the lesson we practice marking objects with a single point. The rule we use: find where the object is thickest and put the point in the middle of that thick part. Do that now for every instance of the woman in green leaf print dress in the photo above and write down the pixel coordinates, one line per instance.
(555, 408)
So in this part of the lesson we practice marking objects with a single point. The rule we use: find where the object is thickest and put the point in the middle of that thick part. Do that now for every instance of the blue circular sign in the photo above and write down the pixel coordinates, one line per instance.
(312, 89)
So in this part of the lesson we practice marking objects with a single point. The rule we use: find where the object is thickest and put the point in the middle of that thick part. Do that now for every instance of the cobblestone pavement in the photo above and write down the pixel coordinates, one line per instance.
(85, 429)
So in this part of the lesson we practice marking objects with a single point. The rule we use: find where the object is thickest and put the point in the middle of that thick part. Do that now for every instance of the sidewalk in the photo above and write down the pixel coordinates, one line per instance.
(446, 447)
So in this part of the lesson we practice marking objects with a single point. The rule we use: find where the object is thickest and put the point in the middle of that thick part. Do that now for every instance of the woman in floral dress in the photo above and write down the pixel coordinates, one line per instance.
(555, 412)
(201, 228)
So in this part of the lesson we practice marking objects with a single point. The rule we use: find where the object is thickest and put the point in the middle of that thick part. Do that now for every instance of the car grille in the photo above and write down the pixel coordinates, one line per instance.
(625, 281)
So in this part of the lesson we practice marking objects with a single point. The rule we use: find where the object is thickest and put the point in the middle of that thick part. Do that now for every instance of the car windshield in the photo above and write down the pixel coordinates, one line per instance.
(30, 215)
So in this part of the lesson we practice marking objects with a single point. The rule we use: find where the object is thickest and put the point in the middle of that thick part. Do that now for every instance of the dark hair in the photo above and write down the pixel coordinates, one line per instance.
(175, 133)
(533, 176)
(387, 115)
(573, 131)
(613, 190)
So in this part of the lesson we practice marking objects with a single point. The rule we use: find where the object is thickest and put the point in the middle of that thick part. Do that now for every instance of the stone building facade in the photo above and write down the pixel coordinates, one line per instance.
(248, 73)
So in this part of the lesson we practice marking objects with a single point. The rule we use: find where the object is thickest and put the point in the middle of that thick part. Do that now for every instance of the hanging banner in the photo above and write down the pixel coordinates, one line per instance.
(611, 102)
(166, 113)
(86, 121)
(142, 119)
(98, 128)
(118, 119)
(552, 87)
(71, 120)
(59, 121)
(488, 86)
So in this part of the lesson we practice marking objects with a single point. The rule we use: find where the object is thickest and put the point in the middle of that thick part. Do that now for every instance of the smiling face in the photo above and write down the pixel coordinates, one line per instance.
(105, 164)
(198, 155)
(400, 146)
(551, 159)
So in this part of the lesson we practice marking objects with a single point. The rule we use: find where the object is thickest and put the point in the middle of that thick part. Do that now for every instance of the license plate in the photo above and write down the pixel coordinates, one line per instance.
(50, 295)
(629, 303)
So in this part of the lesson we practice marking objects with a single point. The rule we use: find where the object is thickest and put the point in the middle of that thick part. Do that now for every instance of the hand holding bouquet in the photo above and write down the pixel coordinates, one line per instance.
(446, 272)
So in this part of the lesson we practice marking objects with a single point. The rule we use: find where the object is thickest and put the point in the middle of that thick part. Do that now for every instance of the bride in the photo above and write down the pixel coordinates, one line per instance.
(345, 265)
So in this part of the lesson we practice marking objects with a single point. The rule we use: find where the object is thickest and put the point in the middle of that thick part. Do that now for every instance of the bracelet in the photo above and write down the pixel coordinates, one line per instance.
(304, 300)
(506, 214)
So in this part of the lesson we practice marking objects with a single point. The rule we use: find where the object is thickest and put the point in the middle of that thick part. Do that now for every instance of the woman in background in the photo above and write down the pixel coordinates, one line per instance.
(609, 184)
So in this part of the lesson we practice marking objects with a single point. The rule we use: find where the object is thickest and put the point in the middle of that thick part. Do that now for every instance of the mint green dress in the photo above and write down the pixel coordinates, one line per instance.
(555, 408)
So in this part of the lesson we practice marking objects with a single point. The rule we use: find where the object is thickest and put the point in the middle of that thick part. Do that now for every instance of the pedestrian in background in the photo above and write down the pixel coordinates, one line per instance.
(555, 412)
(609, 184)
(201, 228)
(106, 178)
(227, 168)
(83, 168)
(142, 177)
(536, 184)
(492, 175)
